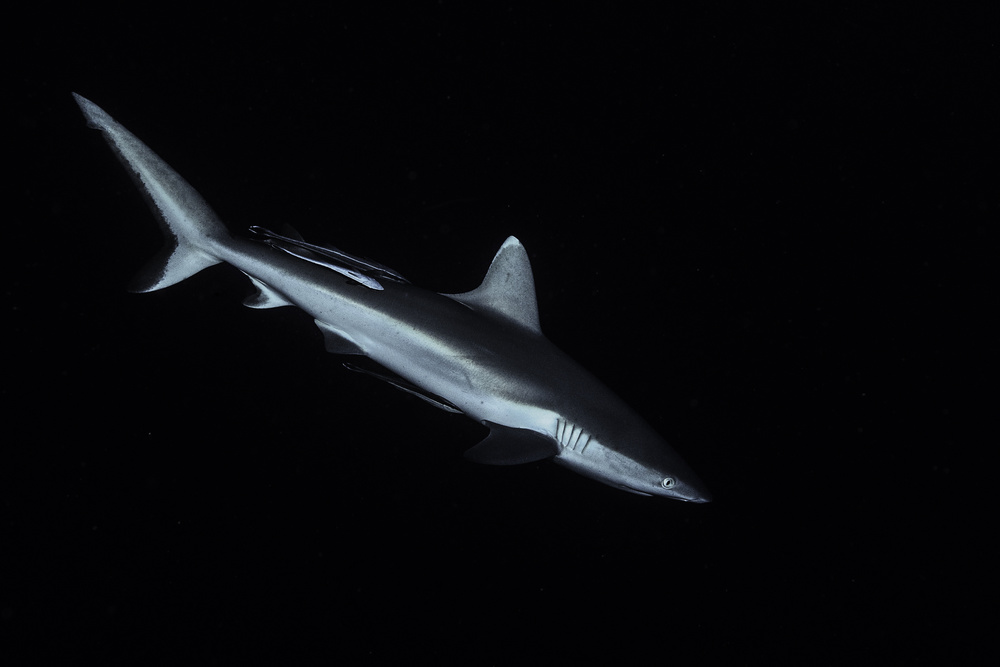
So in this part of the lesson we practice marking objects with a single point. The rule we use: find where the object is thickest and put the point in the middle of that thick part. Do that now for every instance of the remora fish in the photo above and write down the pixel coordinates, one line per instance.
(481, 353)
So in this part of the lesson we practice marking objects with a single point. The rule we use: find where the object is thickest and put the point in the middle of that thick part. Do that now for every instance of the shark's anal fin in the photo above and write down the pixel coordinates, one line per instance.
(506, 446)
(265, 296)
(408, 387)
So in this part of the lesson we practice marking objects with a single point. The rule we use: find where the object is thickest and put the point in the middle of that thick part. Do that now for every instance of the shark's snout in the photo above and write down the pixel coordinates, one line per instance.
(702, 497)
(694, 491)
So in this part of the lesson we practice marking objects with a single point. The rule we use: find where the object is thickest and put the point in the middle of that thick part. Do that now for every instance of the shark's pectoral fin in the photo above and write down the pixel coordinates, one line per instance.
(506, 446)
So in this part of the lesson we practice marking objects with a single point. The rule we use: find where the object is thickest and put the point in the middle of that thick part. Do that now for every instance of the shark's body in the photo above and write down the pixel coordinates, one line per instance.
(481, 353)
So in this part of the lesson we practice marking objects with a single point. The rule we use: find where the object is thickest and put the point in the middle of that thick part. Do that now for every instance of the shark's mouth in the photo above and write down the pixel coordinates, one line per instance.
(631, 490)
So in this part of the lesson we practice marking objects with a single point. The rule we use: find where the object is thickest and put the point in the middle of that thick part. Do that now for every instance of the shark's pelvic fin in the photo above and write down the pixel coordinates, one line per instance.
(336, 341)
(506, 446)
(508, 290)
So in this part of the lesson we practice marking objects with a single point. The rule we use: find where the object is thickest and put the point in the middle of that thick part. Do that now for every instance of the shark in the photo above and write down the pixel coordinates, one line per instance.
(480, 353)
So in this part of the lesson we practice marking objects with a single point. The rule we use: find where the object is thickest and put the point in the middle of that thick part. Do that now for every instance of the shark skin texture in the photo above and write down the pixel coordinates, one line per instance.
(480, 353)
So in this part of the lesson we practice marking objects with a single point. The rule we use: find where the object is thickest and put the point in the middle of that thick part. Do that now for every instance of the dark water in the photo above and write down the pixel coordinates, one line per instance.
(768, 234)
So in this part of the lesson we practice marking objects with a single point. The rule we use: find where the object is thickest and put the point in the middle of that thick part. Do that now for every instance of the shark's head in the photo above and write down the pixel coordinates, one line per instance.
(668, 482)
(633, 459)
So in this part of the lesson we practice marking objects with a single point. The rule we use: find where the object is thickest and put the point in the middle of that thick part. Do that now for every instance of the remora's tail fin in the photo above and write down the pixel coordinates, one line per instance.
(189, 224)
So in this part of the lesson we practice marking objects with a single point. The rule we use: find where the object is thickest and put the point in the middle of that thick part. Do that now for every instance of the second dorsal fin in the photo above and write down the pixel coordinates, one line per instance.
(508, 290)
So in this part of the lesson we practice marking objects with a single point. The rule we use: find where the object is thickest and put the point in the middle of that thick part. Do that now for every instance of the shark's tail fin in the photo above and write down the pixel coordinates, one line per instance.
(191, 227)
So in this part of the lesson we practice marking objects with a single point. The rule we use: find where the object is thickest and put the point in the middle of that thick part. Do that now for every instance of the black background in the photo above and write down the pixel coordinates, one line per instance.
(772, 234)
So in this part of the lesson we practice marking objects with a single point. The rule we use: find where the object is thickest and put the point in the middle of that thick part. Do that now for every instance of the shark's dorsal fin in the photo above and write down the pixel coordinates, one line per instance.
(508, 290)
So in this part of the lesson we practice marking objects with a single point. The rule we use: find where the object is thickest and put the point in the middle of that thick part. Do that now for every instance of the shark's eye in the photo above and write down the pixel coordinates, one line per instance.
(668, 483)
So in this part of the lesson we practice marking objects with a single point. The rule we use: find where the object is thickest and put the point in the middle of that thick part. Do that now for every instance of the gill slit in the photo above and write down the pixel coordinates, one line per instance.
(571, 436)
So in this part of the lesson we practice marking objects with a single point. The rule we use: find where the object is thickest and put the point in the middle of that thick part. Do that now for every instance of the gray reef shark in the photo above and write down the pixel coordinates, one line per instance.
(481, 353)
